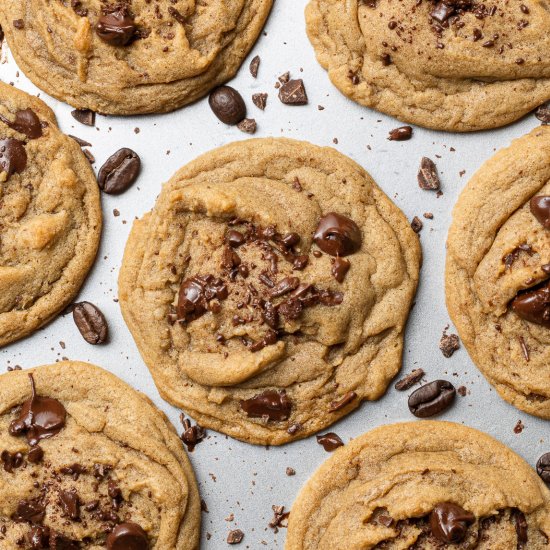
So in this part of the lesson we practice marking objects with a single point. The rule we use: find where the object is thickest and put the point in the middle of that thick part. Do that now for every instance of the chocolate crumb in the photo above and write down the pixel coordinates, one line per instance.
(254, 66)
(448, 344)
(410, 380)
(235, 537)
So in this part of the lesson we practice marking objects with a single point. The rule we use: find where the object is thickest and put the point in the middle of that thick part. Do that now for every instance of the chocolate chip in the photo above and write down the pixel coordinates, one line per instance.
(119, 171)
(39, 417)
(543, 467)
(448, 344)
(60, 542)
(330, 441)
(116, 27)
(534, 305)
(11, 461)
(273, 405)
(260, 100)
(227, 104)
(91, 322)
(293, 92)
(177, 15)
(35, 454)
(540, 208)
(401, 134)
(13, 157)
(235, 537)
(127, 536)
(340, 267)
(33, 510)
(247, 125)
(442, 11)
(192, 435)
(234, 238)
(19, 24)
(410, 380)
(449, 522)
(26, 122)
(521, 526)
(342, 402)
(286, 285)
(428, 178)
(70, 504)
(254, 66)
(337, 235)
(84, 116)
(417, 224)
(543, 113)
(432, 398)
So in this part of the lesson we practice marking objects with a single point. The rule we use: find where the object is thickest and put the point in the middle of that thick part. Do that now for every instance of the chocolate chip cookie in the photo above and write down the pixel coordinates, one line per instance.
(425, 485)
(50, 215)
(458, 65)
(131, 56)
(269, 288)
(88, 462)
(498, 271)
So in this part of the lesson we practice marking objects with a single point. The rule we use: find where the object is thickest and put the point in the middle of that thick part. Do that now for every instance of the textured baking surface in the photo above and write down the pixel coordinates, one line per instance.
(403, 471)
(238, 478)
(170, 65)
(484, 72)
(109, 428)
(491, 220)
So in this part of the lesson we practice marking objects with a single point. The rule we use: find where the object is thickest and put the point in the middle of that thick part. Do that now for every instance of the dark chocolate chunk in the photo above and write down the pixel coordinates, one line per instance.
(70, 504)
(401, 134)
(417, 224)
(91, 323)
(293, 92)
(337, 235)
(227, 104)
(260, 100)
(192, 435)
(247, 125)
(449, 522)
(448, 344)
(273, 405)
(13, 157)
(540, 208)
(26, 122)
(330, 441)
(11, 461)
(254, 66)
(195, 295)
(127, 536)
(534, 305)
(116, 27)
(84, 116)
(428, 178)
(521, 526)
(32, 510)
(344, 401)
(119, 171)
(235, 536)
(432, 398)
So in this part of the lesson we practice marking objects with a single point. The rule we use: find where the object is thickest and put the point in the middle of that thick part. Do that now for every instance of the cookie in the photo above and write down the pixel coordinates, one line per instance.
(131, 56)
(269, 288)
(457, 65)
(88, 462)
(50, 214)
(424, 485)
(498, 271)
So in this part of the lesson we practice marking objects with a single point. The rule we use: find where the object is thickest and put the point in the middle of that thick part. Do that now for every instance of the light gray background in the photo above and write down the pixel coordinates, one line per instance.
(236, 478)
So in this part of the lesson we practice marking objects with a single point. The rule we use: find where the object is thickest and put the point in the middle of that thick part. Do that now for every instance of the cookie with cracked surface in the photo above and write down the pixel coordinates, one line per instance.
(498, 271)
(425, 485)
(131, 56)
(269, 288)
(50, 214)
(457, 65)
(82, 468)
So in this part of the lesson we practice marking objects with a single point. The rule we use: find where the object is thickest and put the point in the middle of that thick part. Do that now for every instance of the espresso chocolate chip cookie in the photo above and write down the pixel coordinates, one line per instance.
(131, 56)
(50, 215)
(269, 288)
(498, 271)
(457, 65)
(89, 463)
(424, 486)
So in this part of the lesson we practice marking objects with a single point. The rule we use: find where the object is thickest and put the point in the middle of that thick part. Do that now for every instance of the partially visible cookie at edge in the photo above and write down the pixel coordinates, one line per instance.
(424, 485)
(498, 271)
(269, 288)
(454, 65)
(88, 462)
(50, 214)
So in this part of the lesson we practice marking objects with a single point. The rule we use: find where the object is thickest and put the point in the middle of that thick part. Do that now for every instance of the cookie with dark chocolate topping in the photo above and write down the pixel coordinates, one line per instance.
(266, 308)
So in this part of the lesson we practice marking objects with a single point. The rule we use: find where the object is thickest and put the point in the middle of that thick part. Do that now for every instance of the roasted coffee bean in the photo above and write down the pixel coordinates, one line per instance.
(543, 467)
(329, 441)
(401, 134)
(227, 104)
(449, 522)
(127, 536)
(90, 322)
(337, 235)
(26, 122)
(540, 208)
(119, 171)
(13, 157)
(273, 405)
(534, 305)
(428, 178)
(116, 27)
(432, 398)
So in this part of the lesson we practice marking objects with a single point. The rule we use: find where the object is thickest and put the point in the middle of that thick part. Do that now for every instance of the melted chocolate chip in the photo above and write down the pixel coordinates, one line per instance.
(127, 536)
(70, 504)
(40, 417)
(540, 208)
(329, 441)
(449, 522)
(13, 157)
(10, 461)
(521, 526)
(116, 27)
(534, 305)
(26, 122)
(32, 510)
(337, 235)
(195, 294)
(274, 405)
(339, 269)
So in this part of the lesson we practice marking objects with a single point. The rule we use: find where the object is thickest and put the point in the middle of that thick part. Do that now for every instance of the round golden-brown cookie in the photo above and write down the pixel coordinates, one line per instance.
(498, 271)
(88, 462)
(131, 56)
(241, 309)
(457, 65)
(50, 215)
(424, 485)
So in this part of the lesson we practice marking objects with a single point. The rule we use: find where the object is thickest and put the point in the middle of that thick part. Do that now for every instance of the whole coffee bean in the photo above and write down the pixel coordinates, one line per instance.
(119, 171)
(227, 104)
(90, 322)
(543, 467)
(432, 398)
